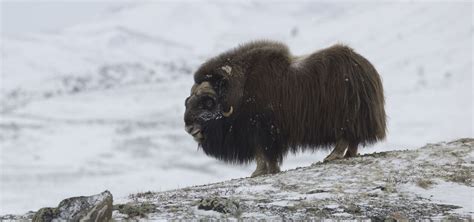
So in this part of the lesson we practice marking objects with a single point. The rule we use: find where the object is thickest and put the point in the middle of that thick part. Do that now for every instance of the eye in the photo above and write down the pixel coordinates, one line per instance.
(207, 103)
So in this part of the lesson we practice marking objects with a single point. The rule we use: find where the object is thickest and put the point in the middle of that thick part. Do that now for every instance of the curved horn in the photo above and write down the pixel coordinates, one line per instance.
(227, 114)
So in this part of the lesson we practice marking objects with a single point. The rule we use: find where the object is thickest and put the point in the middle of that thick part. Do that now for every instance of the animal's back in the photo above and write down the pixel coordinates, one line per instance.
(332, 94)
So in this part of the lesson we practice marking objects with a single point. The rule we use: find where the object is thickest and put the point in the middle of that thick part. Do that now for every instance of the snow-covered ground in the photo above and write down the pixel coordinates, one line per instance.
(99, 105)
(432, 182)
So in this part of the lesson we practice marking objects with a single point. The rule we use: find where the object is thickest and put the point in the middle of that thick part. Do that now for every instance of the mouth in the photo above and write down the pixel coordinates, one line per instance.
(195, 132)
(197, 135)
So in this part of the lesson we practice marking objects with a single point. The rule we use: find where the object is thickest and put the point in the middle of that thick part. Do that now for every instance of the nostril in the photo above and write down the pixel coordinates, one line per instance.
(189, 128)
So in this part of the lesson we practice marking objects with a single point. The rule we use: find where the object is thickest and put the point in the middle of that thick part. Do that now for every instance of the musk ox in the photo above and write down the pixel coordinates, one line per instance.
(258, 101)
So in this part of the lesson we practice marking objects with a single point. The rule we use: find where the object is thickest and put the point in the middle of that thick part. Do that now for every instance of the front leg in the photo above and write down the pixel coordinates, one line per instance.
(264, 165)
(351, 150)
(261, 164)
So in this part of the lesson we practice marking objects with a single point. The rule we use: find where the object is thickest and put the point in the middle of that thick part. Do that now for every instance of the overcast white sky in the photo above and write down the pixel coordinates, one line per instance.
(18, 17)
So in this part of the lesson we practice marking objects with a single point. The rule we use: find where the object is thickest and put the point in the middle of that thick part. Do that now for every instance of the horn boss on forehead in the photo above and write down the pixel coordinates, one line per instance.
(204, 87)
(269, 102)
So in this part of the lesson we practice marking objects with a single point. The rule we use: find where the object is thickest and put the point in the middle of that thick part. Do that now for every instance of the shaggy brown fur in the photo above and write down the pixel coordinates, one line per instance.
(280, 103)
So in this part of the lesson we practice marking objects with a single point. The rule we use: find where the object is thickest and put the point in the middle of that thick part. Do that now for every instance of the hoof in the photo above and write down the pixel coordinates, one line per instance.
(348, 155)
(332, 157)
(274, 171)
(257, 173)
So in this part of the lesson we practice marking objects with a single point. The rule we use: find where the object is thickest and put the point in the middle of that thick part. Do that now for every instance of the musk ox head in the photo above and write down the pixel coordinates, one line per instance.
(202, 107)
(209, 101)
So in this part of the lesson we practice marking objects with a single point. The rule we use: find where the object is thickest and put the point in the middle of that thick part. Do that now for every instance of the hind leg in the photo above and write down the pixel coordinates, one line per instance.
(338, 152)
(264, 165)
(351, 150)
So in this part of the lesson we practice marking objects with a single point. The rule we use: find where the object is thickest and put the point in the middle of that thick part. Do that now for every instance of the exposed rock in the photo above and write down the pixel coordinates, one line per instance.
(139, 210)
(219, 204)
(90, 208)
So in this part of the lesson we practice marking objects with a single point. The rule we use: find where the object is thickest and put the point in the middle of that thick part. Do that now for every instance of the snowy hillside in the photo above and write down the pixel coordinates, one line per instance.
(433, 182)
(100, 105)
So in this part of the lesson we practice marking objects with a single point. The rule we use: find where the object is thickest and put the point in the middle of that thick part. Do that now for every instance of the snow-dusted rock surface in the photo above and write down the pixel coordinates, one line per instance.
(83, 208)
(434, 182)
(92, 208)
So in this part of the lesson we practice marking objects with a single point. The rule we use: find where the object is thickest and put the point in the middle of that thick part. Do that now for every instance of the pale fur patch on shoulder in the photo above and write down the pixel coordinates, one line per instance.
(298, 61)
(227, 69)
